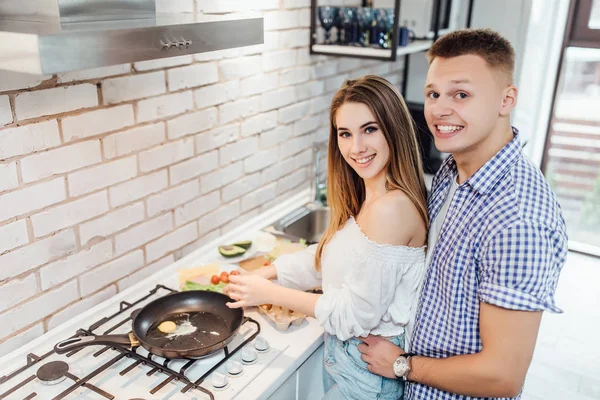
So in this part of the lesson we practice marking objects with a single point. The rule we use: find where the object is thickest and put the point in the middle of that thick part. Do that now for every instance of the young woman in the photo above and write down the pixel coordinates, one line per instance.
(371, 261)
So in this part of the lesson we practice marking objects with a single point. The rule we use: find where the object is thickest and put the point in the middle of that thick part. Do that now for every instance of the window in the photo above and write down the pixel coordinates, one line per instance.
(571, 160)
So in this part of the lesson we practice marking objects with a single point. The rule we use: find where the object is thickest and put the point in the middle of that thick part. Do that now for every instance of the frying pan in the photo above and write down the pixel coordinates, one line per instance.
(215, 326)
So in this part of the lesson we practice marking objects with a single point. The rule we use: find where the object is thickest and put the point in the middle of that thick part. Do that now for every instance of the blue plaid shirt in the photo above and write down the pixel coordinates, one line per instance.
(503, 242)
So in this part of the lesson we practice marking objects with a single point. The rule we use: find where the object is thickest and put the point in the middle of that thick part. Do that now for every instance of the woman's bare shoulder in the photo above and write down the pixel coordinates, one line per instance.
(394, 219)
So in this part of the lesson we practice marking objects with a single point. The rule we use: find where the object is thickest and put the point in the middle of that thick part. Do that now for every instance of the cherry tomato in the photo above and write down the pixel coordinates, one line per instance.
(215, 279)
(234, 272)
(267, 263)
(224, 277)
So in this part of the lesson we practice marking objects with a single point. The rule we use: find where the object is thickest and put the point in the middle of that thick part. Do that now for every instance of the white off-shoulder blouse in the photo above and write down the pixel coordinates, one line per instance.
(368, 288)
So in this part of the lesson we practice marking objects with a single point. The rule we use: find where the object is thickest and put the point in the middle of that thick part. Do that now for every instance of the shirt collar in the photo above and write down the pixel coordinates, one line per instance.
(488, 175)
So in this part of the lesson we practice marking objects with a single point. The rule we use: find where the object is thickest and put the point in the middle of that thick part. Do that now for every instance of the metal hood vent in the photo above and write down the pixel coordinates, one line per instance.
(51, 36)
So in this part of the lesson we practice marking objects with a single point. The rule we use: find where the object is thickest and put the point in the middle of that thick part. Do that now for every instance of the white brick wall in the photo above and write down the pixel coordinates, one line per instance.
(259, 84)
(105, 274)
(143, 233)
(132, 140)
(61, 271)
(218, 217)
(101, 176)
(63, 159)
(277, 98)
(13, 235)
(238, 150)
(164, 106)
(117, 90)
(171, 198)
(14, 80)
(55, 101)
(145, 272)
(23, 338)
(17, 290)
(221, 177)
(69, 214)
(108, 175)
(96, 122)
(41, 306)
(217, 94)
(194, 167)
(217, 137)
(110, 223)
(81, 306)
(192, 123)
(261, 160)
(294, 112)
(240, 187)
(259, 197)
(197, 208)
(294, 76)
(275, 136)
(259, 123)
(8, 176)
(28, 257)
(238, 109)
(278, 60)
(192, 76)
(166, 154)
(31, 198)
(240, 68)
(28, 139)
(95, 73)
(5, 111)
(171, 241)
(138, 188)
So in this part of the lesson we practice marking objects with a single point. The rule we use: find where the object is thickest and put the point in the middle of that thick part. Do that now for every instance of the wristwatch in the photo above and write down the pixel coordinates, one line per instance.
(402, 366)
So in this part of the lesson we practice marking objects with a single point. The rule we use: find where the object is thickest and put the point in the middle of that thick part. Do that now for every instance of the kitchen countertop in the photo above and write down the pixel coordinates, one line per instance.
(301, 341)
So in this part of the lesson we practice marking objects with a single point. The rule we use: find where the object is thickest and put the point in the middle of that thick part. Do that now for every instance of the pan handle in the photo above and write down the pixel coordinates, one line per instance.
(76, 343)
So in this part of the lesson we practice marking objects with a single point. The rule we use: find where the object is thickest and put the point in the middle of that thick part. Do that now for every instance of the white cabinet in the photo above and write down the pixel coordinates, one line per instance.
(306, 382)
(287, 391)
(310, 376)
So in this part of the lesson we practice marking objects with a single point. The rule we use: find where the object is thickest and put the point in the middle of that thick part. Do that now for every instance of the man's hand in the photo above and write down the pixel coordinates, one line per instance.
(380, 354)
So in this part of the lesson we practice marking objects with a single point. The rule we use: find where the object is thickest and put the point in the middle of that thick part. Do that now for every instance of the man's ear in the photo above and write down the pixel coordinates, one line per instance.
(509, 100)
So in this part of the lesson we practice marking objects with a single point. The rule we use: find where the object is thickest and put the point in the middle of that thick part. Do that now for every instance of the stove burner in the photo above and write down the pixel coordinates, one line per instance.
(53, 372)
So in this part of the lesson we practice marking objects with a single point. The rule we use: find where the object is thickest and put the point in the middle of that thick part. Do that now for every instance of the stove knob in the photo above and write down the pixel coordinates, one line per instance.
(248, 355)
(219, 381)
(261, 344)
(234, 367)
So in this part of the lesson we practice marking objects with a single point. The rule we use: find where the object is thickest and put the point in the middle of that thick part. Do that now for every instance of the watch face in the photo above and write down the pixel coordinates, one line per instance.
(400, 367)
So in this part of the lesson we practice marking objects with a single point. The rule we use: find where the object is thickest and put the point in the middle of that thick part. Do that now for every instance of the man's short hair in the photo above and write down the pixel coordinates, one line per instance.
(495, 49)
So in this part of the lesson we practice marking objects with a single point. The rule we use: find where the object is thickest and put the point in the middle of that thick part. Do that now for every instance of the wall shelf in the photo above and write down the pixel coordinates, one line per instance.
(371, 52)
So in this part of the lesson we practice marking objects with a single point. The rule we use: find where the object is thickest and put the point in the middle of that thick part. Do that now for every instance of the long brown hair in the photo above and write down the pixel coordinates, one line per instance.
(345, 189)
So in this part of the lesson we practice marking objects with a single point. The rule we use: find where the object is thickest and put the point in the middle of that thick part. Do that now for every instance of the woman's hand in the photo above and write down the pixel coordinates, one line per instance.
(249, 290)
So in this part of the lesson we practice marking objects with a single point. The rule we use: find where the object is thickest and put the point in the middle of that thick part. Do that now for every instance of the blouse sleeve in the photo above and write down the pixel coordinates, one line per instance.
(297, 270)
(358, 306)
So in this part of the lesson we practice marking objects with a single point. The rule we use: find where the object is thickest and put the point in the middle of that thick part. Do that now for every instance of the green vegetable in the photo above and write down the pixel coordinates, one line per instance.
(302, 241)
(231, 251)
(196, 286)
(244, 244)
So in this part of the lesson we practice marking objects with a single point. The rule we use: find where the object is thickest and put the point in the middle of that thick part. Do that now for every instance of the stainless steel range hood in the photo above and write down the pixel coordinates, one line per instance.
(52, 36)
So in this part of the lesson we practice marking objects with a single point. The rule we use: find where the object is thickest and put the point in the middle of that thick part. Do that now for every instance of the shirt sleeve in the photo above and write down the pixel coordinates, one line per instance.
(357, 307)
(520, 266)
(297, 270)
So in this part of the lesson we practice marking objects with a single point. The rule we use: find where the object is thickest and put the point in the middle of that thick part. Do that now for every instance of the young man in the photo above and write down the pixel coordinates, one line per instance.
(497, 238)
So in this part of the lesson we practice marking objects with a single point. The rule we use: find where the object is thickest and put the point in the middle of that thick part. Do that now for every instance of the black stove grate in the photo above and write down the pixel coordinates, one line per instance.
(138, 359)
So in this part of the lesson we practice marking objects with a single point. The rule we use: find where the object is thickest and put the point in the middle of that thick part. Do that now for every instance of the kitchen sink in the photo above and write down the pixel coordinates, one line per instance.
(309, 223)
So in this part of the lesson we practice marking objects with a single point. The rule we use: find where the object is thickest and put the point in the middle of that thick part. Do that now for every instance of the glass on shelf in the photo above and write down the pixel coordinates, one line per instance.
(327, 16)
(365, 17)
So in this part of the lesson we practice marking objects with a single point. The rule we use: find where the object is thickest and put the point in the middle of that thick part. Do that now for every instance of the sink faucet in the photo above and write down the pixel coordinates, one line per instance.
(320, 188)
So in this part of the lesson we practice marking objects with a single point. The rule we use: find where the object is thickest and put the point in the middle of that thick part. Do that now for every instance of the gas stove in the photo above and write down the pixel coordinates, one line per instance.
(103, 372)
